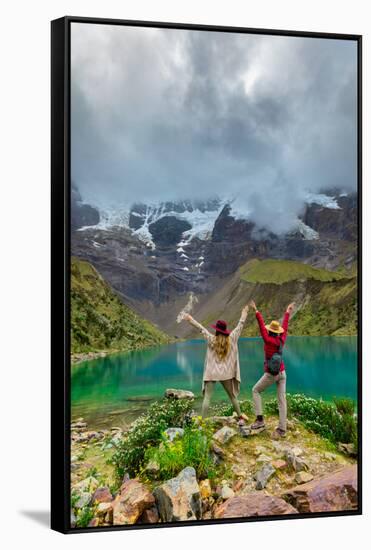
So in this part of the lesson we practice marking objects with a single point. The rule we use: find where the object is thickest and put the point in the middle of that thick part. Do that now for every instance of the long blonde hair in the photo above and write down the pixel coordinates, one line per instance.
(221, 345)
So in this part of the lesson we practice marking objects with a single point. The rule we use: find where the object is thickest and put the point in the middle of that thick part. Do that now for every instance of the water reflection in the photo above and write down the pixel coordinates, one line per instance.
(320, 367)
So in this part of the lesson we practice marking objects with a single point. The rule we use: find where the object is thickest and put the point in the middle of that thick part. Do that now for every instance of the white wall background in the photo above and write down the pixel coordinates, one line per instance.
(24, 272)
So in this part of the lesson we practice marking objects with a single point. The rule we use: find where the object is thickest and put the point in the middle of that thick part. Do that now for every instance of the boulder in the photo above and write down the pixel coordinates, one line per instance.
(303, 477)
(179, 394)
(297, 463)
(87, 485)
(223, 435)
(334, 492)
(104, 510)
(172, 433)
(73, 520)
(263, 458)
(83, 500)
(245, 431)
(227, 492)
(94, 522)
(131, 501)
(102, 494)
(253, 504)
(150, 515)
(279, 464)
(263, 476)
(348, 449)
(179, 499)
(223, 420)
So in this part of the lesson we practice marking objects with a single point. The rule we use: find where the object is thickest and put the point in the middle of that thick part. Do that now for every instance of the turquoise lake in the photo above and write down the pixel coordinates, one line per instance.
(115, 389)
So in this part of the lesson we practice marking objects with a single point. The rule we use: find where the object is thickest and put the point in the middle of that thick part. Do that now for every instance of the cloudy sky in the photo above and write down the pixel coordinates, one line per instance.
(162, 114)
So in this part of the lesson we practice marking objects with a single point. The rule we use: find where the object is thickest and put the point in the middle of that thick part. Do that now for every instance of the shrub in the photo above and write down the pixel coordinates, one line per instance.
(334, 421)
(226, 409)
(192, 449)
(84, 516)
(146, 432)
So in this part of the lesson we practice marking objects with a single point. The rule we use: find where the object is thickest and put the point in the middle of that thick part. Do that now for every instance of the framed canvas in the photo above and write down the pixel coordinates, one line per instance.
(206, 274)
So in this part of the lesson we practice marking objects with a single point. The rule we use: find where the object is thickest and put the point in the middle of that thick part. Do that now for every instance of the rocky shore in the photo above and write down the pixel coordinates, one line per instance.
(255, 476)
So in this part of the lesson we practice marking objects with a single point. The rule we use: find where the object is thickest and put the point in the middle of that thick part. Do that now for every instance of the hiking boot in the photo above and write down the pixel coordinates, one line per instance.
(278, 433)
(258, 425)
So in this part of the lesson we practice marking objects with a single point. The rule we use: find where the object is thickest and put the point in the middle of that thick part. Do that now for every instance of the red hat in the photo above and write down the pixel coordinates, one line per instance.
(221, 326)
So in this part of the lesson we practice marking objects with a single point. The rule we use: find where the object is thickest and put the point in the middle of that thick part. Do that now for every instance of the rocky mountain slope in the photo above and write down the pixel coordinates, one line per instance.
(100, 321)
(153, 256)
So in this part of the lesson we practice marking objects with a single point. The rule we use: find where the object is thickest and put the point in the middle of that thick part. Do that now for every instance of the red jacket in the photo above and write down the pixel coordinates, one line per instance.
(272, 343)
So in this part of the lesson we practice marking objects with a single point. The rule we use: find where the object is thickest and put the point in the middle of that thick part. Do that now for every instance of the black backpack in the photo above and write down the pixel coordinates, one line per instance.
(274, 362)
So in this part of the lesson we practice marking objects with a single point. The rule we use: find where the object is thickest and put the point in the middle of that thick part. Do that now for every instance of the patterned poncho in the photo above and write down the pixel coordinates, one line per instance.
(216, 369)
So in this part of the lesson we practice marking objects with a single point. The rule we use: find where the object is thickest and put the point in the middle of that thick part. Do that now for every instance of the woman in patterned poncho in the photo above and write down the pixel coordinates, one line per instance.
(222, 361)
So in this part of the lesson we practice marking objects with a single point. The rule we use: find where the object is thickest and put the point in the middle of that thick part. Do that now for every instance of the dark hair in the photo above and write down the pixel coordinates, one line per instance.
(270, 333)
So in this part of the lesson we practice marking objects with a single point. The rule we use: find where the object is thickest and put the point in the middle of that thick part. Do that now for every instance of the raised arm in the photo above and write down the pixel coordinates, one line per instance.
(285, 321)
(236, 332)
(260, 319)
(205, 333)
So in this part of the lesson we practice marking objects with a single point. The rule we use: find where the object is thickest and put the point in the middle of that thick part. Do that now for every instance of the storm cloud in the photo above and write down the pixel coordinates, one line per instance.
(166, 114)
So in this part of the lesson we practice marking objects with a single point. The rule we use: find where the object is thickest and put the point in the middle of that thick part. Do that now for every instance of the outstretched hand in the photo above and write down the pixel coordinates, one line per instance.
(253, 305)
(187, 317)
(290, 307)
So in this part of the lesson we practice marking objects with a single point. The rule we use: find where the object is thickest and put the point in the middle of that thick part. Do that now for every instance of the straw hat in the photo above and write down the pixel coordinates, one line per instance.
(275, 327)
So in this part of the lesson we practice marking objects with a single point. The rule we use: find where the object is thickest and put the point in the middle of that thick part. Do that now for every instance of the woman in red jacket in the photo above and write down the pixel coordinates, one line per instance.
(274, 336)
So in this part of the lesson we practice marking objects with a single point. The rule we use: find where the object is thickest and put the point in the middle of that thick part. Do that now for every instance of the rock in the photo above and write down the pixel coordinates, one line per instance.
(259, 450)
(279, 464)
(217, 450)
(94, 522)
(83, 500)
(150, 515)
(348, 449)
(330, 456)
(290, 425)
(238, 485)
(73, 520)
(102, 494)
(297, 463)
(80, 425)
(333, 492)
(244, 431)
(104, 510)
(224, 434)
(227, 492)
(263, 476)
(152, 469)
(179, 394)
(172, 433)
(303, 477)
(297, 451)
(223, 420)
(179, 498)
(263, 458)
(205, 488)
(87, 485)
(253, 504)
(130, 503)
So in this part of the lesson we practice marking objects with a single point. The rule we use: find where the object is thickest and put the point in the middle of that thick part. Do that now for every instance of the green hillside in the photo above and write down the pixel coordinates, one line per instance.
(100, 321)
(326, 302)
(283, 271)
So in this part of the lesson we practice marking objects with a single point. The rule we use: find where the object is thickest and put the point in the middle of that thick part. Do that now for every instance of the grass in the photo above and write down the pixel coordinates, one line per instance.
(283, 271)
(100, 321)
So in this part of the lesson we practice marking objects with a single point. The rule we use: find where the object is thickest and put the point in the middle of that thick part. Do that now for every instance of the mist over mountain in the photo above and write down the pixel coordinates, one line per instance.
(164, 115)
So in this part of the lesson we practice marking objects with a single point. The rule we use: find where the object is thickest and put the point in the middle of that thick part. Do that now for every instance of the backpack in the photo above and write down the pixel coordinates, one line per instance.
(274, 362)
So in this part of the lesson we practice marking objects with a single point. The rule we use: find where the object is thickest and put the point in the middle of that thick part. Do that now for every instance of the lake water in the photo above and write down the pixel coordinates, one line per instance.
(115, 389)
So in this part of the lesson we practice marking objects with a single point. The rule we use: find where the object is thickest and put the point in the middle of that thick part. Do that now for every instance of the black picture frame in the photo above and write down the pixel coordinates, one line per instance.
(60, 265)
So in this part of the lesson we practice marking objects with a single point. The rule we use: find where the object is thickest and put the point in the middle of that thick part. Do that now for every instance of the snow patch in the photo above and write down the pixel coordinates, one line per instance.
(322, 200)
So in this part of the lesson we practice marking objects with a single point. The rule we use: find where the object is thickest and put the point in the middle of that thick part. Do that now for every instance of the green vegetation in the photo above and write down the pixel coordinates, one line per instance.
(283, 271)
(100, 321)
(147, 431)
(192, 449)
(326, 301)
(226, 409)
(334, 421)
